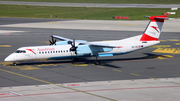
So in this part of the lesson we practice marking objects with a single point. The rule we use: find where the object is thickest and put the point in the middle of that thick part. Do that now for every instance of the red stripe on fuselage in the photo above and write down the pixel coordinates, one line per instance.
(31, 50)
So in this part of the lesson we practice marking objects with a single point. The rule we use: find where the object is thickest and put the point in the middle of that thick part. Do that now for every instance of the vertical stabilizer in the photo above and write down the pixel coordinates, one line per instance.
(153, 29)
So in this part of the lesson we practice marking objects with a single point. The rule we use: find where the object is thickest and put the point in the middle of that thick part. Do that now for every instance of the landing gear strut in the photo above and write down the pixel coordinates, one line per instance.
(96, 61)
(14, 64)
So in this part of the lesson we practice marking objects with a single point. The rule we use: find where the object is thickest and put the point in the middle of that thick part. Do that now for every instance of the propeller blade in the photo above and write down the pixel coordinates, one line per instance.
(73, 48)
(53, 41)
(73, 42)
(50, 42)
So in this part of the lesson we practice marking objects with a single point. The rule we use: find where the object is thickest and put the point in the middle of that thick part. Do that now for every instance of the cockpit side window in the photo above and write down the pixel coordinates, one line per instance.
(20, 51)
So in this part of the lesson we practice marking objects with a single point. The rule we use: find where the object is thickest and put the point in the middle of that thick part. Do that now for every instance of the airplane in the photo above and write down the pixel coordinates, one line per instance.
(71, 48)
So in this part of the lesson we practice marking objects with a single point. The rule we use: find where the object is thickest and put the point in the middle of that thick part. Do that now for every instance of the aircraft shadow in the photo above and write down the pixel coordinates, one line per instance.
(104, 62)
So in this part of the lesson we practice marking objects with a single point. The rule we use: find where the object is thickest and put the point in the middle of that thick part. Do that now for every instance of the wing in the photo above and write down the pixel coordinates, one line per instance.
(64, 41)
(100, 45)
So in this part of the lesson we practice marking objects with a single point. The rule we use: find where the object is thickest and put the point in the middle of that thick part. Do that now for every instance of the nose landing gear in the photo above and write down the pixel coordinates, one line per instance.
(14, 64)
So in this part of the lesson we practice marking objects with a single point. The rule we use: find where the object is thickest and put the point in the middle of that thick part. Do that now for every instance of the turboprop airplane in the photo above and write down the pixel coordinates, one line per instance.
(70, 48)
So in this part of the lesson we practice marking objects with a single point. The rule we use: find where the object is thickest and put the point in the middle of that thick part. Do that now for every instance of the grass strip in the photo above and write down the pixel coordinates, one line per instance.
(108, 1)
(80, 12)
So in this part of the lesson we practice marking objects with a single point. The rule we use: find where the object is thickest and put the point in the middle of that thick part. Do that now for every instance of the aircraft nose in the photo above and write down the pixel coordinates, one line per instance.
(9, 58)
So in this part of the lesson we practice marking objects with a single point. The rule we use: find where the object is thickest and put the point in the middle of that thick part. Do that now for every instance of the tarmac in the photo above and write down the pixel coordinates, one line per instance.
(145, 75)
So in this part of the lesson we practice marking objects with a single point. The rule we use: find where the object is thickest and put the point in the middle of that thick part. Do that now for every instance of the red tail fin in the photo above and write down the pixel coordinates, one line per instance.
(153, 29)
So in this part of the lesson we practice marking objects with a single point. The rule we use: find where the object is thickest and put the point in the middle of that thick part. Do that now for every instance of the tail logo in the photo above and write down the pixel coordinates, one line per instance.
(155, 28)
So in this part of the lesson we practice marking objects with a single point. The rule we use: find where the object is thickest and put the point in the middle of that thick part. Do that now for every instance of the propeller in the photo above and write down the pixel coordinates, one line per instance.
(53, 41)
(73, 48)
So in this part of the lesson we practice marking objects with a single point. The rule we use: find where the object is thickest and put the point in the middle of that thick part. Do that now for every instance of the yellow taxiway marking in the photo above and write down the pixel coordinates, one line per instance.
(117, 70)
(163, 40)
(160, 56)
(56, 84)
(5, 63)
(160, 46)
(24, 67)
(127, 24)
(28, 67)
(134, 74)
(173, 40)
(175, 83)
(177, 43)
(53, 22)
(168, 50)
(46, 42)
(152, 78)
(101, 66)
(43, 65)
(76, 64)
(5, 45)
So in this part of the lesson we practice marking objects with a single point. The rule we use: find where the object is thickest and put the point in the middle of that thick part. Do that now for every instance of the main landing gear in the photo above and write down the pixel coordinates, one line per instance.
(96, 61)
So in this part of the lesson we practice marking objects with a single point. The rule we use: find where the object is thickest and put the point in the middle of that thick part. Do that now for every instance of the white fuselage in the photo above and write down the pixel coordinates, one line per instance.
(54, 52)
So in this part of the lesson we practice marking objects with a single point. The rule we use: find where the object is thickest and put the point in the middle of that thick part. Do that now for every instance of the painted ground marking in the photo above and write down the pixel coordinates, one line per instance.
(159, 56)
(168, 50)
(16, 93)
(117, 70)
(5, 45)
(177, 43)
(73, 85)
(163, 40)
(29, 67)
(100, 66)
(76, 64)
(153, 78)
(160, 46)
(158, 87)
(173, 40)
(5, 94)
(134, 74)
(57, 85)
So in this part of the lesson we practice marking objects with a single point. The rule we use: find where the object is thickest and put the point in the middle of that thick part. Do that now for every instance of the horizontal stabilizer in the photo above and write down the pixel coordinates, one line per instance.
(157, 17)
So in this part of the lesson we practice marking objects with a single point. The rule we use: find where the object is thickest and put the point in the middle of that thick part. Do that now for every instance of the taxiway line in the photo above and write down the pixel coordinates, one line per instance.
(57, 85)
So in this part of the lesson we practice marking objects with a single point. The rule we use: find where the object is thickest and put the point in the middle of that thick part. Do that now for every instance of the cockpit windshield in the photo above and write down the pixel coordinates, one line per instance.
(20, 51)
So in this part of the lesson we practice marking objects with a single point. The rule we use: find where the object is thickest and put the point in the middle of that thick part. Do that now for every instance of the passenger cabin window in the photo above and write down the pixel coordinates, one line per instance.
(20, 51)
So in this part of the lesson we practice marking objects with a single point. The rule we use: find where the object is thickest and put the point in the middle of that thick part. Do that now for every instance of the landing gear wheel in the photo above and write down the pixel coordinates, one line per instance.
(97, 63)
(75, 59)
(14, 64)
